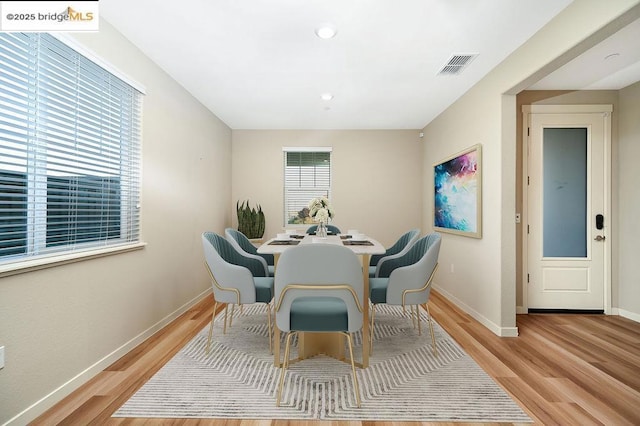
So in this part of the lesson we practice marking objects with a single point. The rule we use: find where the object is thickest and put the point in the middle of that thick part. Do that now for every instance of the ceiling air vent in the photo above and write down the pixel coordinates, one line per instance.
(456, 63)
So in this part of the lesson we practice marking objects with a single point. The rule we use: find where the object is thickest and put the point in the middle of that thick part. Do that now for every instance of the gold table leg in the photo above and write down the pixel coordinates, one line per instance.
(276, 330)
(365, 311)
(312, 344)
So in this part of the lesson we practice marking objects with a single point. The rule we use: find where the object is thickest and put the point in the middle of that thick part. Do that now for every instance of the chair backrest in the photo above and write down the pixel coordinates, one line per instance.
(233, 278)
(414, 270)
(400, 247)
(415, 252)
(319, 265)
(330, 228)
(241, 243)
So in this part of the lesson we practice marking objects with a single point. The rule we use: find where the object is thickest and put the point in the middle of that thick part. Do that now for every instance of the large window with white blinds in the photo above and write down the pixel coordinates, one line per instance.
(69, 151)
(307, 175)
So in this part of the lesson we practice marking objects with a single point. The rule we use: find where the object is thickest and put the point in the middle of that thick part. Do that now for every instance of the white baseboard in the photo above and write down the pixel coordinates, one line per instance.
(39, 407)
(629, 315)
(496, 329)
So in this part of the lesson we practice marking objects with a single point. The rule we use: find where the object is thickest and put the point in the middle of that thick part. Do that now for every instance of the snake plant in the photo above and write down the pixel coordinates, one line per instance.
(251, 221)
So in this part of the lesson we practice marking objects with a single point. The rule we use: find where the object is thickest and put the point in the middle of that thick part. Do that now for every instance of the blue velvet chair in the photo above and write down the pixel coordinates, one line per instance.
(235, 279)
(399, 248)
(244, 247)
(312, 297)
(331, 229)
(408, 281)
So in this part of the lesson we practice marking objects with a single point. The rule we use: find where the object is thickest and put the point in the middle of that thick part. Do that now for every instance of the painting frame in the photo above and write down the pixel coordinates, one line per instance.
(457, 193)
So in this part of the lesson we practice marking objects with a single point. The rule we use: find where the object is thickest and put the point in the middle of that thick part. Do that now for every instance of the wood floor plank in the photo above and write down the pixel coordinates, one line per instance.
(550, 343)
(597, 409)
(615, 394)
(103, 384)
(561, 369)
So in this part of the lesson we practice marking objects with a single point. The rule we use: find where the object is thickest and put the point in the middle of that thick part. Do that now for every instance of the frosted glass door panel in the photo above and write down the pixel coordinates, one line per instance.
(565, 192)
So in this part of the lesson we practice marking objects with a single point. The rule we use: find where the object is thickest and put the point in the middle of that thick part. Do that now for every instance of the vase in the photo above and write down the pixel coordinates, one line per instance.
(321, 230)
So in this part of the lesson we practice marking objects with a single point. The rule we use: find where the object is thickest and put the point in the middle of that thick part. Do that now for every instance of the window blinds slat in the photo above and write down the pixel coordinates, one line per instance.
(69, 150)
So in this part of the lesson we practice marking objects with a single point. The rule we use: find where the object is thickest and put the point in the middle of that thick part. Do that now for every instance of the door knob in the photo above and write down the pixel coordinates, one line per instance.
(599, 238)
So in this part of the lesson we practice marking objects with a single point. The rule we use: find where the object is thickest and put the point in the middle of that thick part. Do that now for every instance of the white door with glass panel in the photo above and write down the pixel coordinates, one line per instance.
(567, 214)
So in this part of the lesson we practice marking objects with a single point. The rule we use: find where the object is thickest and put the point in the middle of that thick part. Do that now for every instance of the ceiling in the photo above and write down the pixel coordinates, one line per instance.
(614, 63)
(258, 64)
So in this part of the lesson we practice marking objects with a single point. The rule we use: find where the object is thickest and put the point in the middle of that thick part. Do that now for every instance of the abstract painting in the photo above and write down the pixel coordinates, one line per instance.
(458, 196)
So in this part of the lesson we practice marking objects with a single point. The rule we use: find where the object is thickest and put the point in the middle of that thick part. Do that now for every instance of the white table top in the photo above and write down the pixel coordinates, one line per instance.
(376, 248)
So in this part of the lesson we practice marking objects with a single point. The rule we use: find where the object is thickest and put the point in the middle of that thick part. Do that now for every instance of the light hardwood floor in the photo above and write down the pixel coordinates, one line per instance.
(562, 369)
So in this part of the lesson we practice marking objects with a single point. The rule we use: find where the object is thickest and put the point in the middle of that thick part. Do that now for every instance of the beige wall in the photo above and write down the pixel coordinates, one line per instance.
(469, 271)
(628, 176)
(483, 277)
(62, 325)
(376, 177)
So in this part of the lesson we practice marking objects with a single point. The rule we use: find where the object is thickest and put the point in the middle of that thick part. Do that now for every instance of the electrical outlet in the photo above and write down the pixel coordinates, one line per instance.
(452, 269)
(1, 357)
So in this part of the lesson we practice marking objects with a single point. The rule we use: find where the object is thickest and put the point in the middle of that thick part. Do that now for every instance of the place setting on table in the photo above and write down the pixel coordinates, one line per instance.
(289, 238)
(354, 238)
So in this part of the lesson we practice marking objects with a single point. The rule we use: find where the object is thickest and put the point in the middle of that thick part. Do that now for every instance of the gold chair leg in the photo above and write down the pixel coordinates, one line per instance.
(285, 363)
(413, 319)
(404, 312)
(224, 328)
(418, 320)
(233, 306)
(353, 369)
(213, 317)
(270, 329)
(433, 336)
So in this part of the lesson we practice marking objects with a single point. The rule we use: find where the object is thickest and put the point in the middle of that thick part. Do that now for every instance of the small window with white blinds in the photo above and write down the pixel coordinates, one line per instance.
(307, 175)
(69, 151)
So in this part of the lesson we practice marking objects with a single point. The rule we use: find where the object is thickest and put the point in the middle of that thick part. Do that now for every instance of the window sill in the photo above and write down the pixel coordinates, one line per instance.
(52, 261)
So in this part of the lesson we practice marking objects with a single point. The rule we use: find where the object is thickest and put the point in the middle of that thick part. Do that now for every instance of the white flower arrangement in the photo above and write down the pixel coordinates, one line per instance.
(320, 210)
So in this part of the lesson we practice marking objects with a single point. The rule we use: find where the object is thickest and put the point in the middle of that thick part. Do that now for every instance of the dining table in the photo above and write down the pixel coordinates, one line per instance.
(326, 343)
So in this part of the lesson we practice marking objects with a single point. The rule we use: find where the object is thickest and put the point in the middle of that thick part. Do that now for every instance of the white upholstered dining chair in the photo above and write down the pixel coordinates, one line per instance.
(319, 288)
(235, 280)
(407, 281)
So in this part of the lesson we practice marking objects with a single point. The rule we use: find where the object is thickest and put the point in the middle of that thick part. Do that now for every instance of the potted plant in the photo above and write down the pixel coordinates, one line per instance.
(251, 221)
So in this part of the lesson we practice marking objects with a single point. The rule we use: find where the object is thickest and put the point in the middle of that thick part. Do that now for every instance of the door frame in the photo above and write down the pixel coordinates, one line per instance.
(605, 110)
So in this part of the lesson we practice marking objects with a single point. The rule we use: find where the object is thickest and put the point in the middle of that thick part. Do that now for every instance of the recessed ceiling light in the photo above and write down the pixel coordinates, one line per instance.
(326, 31)
(326, 96)
(611, 56)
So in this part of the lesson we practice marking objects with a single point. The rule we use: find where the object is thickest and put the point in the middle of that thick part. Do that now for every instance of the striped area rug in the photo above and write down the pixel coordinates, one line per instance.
(404, 382)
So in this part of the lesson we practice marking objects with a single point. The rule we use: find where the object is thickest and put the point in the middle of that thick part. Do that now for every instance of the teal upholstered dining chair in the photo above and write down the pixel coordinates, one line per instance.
(244, 247)
(407, 281)
(399, 248)
(312, 297)
(236, 280)
(331, 229)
